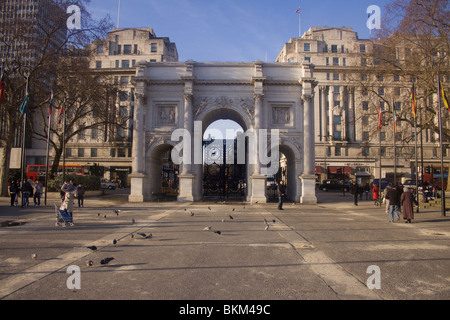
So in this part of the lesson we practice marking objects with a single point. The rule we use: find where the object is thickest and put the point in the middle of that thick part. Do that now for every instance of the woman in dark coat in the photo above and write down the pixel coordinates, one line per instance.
(407, 200)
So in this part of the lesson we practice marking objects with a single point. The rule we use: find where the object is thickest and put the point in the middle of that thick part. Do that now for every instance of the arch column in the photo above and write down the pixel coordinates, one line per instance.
(186, 177)
(308, 177)
(138, 174)
(323, 91)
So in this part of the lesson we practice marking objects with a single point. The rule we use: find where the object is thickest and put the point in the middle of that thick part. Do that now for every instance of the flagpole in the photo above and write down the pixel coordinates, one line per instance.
(443, 213)
(379, 129)
(395, 141)
(48, 147)
(64, 144)
(299, 23)
(118, 15)
(22, 160)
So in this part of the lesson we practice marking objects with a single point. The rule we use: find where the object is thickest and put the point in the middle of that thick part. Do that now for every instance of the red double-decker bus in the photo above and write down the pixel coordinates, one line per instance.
(38, 171)
(433, 176)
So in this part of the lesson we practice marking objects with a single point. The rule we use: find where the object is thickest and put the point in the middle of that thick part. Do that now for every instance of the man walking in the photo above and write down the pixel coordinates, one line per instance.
(281, 194)
(394, 203)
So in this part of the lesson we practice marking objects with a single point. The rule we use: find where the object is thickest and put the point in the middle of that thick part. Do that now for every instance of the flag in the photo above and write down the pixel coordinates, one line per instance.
(380, 118)
(395, 116)
(24, 105)
(413, 99)
(61, 114)
(2, 87)
(50, 107)
(298, 10)
(443, 95)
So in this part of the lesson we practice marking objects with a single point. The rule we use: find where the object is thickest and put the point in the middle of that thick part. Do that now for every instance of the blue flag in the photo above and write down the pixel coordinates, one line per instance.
(24, 105)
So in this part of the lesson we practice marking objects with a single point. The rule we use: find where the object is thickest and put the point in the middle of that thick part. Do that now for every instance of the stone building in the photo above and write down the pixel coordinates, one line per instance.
(346, 138)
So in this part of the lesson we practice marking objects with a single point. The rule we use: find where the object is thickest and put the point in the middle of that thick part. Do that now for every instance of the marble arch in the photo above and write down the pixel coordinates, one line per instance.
(257, 95)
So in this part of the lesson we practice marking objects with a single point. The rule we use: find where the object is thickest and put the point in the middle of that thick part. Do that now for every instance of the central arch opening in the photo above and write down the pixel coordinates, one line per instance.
(224, 161)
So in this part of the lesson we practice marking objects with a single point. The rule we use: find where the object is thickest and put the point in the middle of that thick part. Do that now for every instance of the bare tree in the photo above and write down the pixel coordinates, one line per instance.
(31, 48)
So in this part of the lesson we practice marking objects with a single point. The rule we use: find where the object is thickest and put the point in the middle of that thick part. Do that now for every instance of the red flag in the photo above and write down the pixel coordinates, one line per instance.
(413, 99)
(380, 118)
(61, 114)
(298, 10)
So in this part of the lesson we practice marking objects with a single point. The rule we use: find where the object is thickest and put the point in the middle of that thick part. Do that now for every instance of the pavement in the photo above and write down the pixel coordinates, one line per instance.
(330, 251)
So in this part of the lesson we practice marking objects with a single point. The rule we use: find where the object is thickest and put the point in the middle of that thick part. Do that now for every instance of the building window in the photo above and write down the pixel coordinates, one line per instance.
(308, 59)
(363, 62)
(398, 106)
(307, 47)
(135, 51)
(381, 91)
(396, 78)
(98, 64)
(117, 63)
(337, 151)
(124, 80)
(362, 48)
(99, 49)
(335, 61)
(337, 89)
(327, 61)
(123, 96)
(344, 62)
(366, 152)
(80, 152)
(337, 120)
(335, 76)
(125, 63)
(334, 48)
(154, 47)
(112, 153)
(93, 152)
(121, 153)
(337, 135)
(94, 133)
(365, 136)
(383, 136)
(328, 76)
(383, 151)
(127, 49)
(365, 105)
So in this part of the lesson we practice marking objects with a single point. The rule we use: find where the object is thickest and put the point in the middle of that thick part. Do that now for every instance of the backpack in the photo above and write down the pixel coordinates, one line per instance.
(13, 188)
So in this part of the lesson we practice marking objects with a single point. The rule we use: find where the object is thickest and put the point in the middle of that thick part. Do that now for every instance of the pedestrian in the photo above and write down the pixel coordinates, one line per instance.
(69, 190)
(80, 195)
(367, 190)
(37, 192)
(394, 203)
(281, 194)
(375, 194)
(386, 199)
(13, 190)
(407, 201)
(27, 189)
(355, 192)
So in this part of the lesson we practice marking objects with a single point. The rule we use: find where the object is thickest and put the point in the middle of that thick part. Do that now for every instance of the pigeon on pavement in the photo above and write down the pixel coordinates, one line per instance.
(106, 260)
(93, 248)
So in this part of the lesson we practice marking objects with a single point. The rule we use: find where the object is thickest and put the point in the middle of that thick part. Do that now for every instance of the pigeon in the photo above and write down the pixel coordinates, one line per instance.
(116, 212)
(184, 209)
(105, 216)
(233, 210)
(274, 221)
(34, 256)
(132, 236)
(143, 235)
(114, 242)
(89, 263)
(133, 221)
(209, 208)
(106, 260)
(207, 229)
(266, 228)
(98, 214)
(231, 217)
(192, 213)
(218, 232)
(93, 248)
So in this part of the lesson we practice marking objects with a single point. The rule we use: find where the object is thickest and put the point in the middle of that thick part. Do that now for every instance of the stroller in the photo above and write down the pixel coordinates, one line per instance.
(63, 218)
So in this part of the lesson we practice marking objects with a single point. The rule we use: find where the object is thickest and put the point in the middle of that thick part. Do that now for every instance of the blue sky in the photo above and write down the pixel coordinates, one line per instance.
(234, 30)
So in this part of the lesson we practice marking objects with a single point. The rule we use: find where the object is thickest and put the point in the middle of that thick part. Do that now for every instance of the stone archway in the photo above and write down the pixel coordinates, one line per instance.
(258, 96)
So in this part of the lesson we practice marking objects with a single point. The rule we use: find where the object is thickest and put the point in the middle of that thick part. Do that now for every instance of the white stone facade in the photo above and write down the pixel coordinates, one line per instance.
(193, 95)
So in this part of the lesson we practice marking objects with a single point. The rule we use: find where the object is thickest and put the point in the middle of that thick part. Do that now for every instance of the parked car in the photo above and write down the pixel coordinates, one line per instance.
(337, 185)
(107, 185)
(411, 184)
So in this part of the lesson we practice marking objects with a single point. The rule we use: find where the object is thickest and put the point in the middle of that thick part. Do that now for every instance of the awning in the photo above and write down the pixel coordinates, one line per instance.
(344, 170)
(319, 170)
